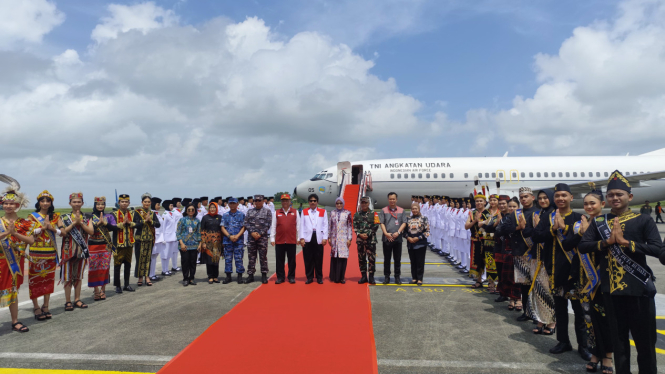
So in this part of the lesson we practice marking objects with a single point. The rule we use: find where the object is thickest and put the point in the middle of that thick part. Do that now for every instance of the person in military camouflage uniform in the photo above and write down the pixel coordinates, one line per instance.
(257, 223)
(365, 226)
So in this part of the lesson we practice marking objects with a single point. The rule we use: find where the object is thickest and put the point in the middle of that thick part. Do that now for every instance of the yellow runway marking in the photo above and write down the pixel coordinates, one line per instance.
(658, 350)
(661, 332)
(49, 371)
(660, 317)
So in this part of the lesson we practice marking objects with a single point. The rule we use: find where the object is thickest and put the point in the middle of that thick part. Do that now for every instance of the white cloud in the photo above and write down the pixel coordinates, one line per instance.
(27, 21)
(80, 165)
(142, 17)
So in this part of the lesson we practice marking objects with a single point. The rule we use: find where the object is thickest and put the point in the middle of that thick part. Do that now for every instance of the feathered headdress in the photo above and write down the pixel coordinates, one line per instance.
(12, 192)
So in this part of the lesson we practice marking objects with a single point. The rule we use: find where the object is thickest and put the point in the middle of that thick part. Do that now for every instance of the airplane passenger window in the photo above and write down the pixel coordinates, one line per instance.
(392, 176)
(560, 175)
(443, 175)
(530, 174)
(466, 175)
(574, 174)
(522, 174)
(399, 176)
(514, 175)
(413, 176)
(427, 175)
(547, 175)
(627, 173)
(487, 175)
(420, 176)
(500, 175)
(598, 174)
(567, 174)
(607, 175)
(436, 175)
(538, 174)
(406, 175)
(493, 175)
(582, 174)
(480, 175)
(452, 175)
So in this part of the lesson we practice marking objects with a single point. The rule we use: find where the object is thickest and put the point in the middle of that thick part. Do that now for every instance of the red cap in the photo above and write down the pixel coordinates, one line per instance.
(285, 197)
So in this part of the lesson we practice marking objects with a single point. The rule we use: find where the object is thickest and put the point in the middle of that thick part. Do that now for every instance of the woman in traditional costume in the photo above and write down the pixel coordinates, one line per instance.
(43, 257)
(541, 299)
(211, 242)
(505, 231)
(340, 233)
(75, 228)
(145, 239)
(100, 245)
(417, 232)
(15, 233)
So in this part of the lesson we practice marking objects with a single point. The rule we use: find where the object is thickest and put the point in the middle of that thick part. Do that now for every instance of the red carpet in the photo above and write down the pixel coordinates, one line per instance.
(290, 328)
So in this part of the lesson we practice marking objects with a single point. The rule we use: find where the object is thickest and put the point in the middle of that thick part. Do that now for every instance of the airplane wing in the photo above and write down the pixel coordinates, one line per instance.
(636, 181)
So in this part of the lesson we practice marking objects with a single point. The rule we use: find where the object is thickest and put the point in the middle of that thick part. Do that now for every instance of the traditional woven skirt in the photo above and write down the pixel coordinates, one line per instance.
(41, 271)
(490, 265)
(9, 285)
(507, 286)
(541, 300)
(213, 251)
(98, 266)
(72, 270)
(477, 265)
(145, 255)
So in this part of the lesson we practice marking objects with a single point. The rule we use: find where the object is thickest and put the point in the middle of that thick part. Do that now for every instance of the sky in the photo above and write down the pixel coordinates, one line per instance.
(190, 98)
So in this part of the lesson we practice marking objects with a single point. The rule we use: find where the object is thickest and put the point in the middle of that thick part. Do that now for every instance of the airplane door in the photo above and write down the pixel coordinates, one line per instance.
(342, 167)
(357, 174)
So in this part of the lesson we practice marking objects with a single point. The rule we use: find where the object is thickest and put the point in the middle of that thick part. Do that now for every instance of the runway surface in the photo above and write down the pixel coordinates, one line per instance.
(443, 327)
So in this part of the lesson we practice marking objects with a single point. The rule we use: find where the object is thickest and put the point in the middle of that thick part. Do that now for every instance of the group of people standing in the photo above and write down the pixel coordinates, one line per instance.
(541, 256)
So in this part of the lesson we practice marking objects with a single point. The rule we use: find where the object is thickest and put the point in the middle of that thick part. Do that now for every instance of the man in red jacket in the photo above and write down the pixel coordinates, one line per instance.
(284, 237)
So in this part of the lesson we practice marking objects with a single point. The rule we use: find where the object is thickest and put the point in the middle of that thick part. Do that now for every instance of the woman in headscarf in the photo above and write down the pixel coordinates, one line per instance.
(100, 245)
(541, 299)
(15, 233)
(340, 233)
(43, 254)
(145, 238)
(211, 242)
(417, 232)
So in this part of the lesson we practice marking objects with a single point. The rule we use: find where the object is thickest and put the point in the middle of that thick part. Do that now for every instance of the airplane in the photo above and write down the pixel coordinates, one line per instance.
(458, 176)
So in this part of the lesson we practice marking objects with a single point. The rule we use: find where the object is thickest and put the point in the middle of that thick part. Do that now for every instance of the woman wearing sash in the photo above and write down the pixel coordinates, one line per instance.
(476, 216)
(15, 233)
(74, 228)
(43, 254)
(541, 300)
(145, 239)
(598, 328)
(506, 232)
(100, 245)
(489, 243)
(211, 242)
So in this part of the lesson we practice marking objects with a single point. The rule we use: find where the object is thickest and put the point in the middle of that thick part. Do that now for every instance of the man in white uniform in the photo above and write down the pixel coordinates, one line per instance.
(170, 224)
(159, 246)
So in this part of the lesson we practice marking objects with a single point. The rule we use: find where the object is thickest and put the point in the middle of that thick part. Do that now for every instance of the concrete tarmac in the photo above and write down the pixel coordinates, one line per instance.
(417, 329)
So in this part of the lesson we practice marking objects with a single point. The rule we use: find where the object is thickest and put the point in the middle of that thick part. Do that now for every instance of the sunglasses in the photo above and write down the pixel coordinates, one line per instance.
(313, 201)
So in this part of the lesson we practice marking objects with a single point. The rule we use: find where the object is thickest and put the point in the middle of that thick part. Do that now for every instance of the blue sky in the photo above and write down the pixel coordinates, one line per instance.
(255, 96)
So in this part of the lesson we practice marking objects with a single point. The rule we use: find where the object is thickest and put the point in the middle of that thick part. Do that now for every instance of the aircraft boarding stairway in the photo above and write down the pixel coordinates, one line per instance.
(351, 193)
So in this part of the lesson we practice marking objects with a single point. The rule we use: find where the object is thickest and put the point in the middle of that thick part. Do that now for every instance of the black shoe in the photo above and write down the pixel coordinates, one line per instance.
(240, 281)
(250, 279)
(154, 278)
(309, 281)
(185, 283)
(584, 353)
(228, 279)
(279, 281)
(397, 280)
(175, 269)
(192, 282)
(464, 271)
(500, 299)
(118, 289)
(319, 281)
(264, 278)
(523, 318)
(167, 273)
(215, 281)
(292, 280)
(128, 288)
(371, 279)
(560, 348)
(386, 280)
(363, 279)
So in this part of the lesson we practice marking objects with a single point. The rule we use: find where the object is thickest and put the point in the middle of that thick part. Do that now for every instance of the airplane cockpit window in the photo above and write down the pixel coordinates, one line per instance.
(329, 175)
(318, 177)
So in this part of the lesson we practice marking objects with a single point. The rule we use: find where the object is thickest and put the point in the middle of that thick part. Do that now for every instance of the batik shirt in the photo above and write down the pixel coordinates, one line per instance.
(233, 223)
(189, 231)
(258, 220)
(365, 223)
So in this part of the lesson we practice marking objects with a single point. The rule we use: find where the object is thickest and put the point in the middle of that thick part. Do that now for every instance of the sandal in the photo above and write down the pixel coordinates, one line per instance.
(518, 307)
(607, 369)
(97, 298)
(210, 281)
(148, 283)
(549, 330)
(477, 285)
(47, 312)
(81, 305)
(102, 296)
(413, 281)
(23, 327)
(538, 330)
(592, 367)
(69, 307)
(511, 307)
(139, 283)
(420, 283)
(40, 316)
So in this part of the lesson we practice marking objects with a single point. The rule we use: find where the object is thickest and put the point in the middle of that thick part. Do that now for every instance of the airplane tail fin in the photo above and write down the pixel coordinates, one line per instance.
(658, 152)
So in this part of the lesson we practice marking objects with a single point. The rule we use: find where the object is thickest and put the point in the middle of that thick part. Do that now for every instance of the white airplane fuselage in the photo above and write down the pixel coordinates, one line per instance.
(454, 176)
